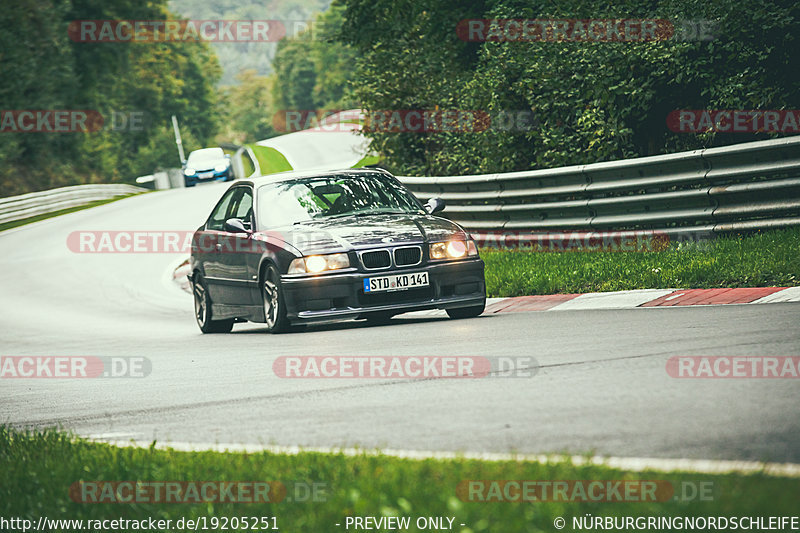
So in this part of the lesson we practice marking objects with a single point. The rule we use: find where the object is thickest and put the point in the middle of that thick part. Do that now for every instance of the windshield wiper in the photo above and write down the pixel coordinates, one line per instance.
(360, 214)
(339, 215)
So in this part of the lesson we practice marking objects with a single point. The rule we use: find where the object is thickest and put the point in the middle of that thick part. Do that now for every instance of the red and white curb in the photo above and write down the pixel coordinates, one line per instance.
(603, 300)
(644, 298)
(634, 299)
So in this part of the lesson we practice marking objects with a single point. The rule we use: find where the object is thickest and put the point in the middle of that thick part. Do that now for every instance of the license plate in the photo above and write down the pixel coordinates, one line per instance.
(205, 174)
(397, 282)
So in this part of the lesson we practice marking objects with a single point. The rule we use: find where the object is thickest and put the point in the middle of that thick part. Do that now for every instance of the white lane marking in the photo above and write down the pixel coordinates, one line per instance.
(636, 464)
(674, 296)
(612, 300)
(114, 435)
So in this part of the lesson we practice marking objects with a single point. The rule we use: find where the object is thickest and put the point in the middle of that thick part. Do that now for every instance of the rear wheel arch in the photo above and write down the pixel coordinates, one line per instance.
(204, 314)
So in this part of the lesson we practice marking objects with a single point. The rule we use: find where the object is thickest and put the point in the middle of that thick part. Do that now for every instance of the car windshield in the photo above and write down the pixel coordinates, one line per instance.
(328, 197)
(207, 155)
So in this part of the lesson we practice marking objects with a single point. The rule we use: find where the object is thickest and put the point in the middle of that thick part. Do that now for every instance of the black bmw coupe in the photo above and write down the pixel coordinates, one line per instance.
(305, 247)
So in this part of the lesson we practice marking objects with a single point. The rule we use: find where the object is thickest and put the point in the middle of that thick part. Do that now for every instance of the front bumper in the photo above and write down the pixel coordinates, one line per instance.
(215, 176)
(341, 296)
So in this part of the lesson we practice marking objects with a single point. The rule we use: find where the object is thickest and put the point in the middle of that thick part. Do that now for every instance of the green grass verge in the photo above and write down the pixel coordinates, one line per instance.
(37, 470)
(15, 223)
(368, 160)
(270, 160)
(758, 260)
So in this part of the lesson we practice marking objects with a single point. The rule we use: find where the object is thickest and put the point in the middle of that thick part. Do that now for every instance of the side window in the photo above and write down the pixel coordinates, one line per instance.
(220, 214)
(244, 208)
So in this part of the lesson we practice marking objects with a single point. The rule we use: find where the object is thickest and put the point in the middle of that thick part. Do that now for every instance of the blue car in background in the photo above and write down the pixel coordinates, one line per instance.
(207, 164)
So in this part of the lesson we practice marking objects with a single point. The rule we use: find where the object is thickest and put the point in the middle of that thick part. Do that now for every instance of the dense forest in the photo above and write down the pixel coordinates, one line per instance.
(584, 101)
(44, 69)
(592, 101)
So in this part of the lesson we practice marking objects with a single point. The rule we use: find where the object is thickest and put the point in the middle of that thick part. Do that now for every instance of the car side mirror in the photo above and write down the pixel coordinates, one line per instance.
(235, 225)
(434, 205)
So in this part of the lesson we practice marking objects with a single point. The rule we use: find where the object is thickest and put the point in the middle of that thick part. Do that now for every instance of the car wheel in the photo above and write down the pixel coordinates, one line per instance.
(202, 309)
(466, 312)
(274, 305)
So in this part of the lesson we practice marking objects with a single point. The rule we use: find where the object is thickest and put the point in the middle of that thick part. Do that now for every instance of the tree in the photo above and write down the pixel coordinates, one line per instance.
(592, 101)
(151, 81)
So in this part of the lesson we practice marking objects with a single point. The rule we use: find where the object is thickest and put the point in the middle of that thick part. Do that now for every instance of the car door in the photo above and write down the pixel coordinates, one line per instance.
(236, 251)
(215, 270)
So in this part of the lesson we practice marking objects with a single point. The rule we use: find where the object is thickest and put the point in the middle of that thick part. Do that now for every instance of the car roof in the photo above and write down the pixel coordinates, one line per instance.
(290, 175)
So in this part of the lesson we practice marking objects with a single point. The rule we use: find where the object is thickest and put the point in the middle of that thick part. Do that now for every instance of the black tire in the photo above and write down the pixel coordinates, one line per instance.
(202, 309)
(274, 303)
(466, 312)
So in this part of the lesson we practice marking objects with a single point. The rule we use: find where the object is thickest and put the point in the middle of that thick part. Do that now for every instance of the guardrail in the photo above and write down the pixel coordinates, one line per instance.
(750, 186)
(39, 203)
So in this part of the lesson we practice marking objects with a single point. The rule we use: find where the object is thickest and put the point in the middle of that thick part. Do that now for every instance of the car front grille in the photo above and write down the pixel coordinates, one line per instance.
(407, 256)
(376, 259)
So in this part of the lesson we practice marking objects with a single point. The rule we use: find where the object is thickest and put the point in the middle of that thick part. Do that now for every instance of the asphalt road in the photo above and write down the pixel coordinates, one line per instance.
(601, 387)
(332, 146)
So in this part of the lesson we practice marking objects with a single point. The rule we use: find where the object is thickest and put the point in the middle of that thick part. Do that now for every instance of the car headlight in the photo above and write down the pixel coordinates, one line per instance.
(221, 168)
(455, 249)
(314, 264)
(189, 171)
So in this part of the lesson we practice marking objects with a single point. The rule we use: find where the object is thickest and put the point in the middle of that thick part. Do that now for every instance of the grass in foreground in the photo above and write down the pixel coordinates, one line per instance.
(37, 469)
(15, 223)
(758, 260)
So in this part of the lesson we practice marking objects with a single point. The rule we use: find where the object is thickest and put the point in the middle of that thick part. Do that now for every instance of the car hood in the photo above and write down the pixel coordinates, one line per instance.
(348, 233)
(208, 164)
